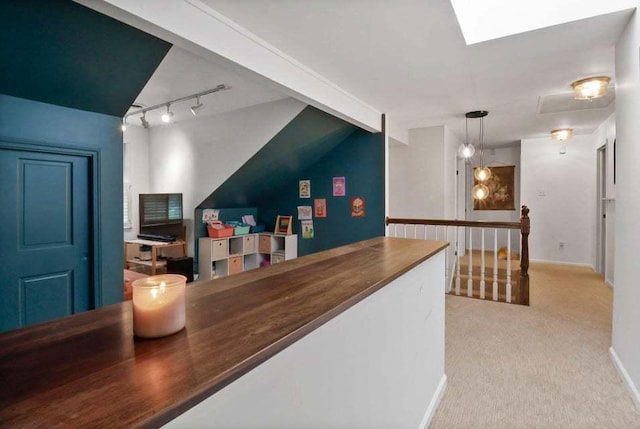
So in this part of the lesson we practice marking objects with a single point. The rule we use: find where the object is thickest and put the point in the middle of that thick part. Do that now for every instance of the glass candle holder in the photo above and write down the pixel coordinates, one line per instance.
(159, 305)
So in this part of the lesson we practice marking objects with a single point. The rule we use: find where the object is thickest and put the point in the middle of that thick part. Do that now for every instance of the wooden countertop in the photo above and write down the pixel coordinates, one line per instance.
(87, 370)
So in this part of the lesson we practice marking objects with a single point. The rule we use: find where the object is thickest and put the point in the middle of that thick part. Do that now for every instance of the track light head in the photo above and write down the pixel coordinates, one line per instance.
(195, 109)
(143, 120)
(166, 116)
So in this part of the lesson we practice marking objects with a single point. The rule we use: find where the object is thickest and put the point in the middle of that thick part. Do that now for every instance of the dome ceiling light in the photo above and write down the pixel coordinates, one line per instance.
(590, 88)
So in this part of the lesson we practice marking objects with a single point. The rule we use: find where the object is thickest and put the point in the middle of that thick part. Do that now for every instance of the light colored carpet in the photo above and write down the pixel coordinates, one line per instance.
(543, 366)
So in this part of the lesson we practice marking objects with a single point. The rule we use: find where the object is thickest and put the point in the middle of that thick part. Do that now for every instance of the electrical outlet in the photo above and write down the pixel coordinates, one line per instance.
(561, 244)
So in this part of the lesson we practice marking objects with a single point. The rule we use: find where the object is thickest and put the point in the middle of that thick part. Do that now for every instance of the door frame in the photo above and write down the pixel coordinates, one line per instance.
(601, 210)
(93, 158)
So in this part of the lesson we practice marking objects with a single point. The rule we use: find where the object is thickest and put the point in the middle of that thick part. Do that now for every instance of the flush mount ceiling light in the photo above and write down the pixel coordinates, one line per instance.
(562, 134)
(197, 107)
(590, 88)
(482, 173)
(168, 115)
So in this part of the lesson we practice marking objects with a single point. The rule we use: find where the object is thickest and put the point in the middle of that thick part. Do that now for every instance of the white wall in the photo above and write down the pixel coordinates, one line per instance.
(606, 135)
(422, 176)
(560, 190)
(137, 172)
(626, 295)
(196, 156)
(379, 364)
(416, 175)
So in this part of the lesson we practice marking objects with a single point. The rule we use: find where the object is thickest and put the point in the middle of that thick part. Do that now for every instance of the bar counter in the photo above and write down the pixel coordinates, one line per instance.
(87, 370)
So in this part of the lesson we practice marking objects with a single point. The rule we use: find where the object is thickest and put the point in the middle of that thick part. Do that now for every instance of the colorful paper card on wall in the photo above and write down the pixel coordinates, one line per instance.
(320, 207)
(304, 212)
(357, 206)
(210, 214)
(307, 229)
(305, 188)
(339, 186)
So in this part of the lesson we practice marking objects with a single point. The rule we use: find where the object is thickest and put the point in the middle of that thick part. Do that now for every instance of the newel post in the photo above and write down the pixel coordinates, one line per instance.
(525, 227)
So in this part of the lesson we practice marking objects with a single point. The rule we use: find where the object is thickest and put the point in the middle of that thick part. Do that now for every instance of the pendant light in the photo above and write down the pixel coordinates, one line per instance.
(481, 173)
(466, 150)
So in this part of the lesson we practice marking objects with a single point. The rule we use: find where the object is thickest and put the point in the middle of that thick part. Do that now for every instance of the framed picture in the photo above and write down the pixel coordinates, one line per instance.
(305, 188)
(320, 207)
(501, 186)
(283, 225)
(339, 186)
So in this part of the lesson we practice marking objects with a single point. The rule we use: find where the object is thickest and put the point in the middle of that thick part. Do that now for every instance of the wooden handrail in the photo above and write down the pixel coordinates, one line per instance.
(471, 223)
(524, 226)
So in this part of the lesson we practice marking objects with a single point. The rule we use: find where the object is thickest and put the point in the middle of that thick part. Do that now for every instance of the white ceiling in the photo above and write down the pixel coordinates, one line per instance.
(408, 58)
(182, 73)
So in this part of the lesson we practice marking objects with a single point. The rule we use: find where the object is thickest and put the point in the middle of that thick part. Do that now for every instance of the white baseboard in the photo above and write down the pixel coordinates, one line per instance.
(574, 264)
(435, 402)
(608, 282)
(631, 387)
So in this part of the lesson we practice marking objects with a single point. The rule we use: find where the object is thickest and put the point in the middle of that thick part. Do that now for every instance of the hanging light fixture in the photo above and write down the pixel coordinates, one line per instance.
(590, 88)
(481, 173)
(562, 134)
(466, 150)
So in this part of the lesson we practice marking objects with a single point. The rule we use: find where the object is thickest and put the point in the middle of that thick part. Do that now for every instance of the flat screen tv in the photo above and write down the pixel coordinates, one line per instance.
(161, 214)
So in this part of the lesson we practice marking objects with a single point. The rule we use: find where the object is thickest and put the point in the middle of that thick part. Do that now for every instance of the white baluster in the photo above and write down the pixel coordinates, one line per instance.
(404, 234)
(425, 232)
(508, 265)
(470, 278)
(482, 284)
(415, 231)
(436, 232)
(447, 270)
(495, 264)
(457, 262)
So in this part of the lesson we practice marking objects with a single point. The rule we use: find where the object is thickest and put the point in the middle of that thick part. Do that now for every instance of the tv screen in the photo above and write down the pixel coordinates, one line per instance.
(161, 214)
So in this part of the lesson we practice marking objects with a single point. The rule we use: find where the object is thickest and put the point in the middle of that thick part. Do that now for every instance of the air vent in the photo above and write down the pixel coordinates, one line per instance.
(566, 103)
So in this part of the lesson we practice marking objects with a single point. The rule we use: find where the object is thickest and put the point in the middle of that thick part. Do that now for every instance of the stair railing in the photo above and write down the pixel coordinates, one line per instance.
(408, 228)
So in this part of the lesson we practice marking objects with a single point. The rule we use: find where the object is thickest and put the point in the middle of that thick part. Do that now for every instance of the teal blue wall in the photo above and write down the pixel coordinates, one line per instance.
(60, 52)
(27, 123)
(360, 158)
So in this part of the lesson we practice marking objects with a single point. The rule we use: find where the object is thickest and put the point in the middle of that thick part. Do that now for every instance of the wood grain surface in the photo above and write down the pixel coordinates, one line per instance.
(89, 370)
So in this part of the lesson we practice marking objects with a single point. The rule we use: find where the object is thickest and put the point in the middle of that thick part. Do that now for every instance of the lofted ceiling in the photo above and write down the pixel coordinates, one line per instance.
(182, 74)
(408, 58)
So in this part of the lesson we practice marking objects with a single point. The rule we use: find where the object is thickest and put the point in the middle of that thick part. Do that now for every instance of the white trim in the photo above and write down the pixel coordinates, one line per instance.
(574, 264)
(435, 403)
(626, 379)
(608, 282)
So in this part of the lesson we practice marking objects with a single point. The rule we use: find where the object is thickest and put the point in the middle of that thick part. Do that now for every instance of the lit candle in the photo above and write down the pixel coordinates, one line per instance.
(158, 305)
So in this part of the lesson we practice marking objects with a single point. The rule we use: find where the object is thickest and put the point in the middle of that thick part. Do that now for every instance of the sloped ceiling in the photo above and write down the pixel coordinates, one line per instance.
(62, 53)
(305, 140)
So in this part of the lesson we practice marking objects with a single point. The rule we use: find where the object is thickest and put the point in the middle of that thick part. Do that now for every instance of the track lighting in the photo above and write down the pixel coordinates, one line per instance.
(197, 107)
(143, 120)
(166, 116)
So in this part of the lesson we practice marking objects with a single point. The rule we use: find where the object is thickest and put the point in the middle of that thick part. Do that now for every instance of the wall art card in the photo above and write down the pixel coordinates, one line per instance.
(357, 206)
(320, 207)
(339, 186)
(307, 229)
(210, 214)
(305, 213)
(305, 188)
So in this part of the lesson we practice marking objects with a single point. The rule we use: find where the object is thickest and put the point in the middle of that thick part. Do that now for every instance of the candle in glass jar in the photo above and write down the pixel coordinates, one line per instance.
(158, 305)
